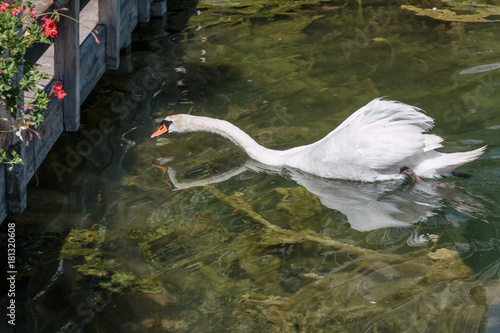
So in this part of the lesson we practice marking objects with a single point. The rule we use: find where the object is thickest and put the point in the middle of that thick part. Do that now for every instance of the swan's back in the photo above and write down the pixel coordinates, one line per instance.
(374, 143)
(383, 133)
(385, 111)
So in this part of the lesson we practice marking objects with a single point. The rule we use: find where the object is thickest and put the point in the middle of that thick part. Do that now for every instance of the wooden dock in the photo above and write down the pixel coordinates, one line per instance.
(77, 61)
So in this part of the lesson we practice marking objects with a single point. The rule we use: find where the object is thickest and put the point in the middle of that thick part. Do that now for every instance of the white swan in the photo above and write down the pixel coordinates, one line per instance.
(378, 142)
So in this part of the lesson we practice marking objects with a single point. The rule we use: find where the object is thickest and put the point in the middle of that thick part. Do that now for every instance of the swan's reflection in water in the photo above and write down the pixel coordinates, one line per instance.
(367, 206)
(370, 206)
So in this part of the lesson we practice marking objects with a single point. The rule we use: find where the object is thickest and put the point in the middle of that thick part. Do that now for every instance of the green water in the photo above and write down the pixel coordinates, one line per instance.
(108, 243)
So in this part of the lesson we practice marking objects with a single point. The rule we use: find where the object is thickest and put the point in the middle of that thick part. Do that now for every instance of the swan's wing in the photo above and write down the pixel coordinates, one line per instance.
(381, 134)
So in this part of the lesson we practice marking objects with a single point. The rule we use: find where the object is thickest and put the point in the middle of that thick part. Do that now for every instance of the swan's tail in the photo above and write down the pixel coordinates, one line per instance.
(454, 160)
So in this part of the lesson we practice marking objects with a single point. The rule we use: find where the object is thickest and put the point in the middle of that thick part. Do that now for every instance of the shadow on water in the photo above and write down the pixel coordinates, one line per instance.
(184, 234)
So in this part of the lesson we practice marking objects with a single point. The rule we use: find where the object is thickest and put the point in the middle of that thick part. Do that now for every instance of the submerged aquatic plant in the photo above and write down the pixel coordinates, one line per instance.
(455, 11)
(98, 272)
(361, 288)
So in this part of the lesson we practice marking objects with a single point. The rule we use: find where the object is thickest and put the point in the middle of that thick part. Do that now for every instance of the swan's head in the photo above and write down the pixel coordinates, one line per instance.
(176, 124)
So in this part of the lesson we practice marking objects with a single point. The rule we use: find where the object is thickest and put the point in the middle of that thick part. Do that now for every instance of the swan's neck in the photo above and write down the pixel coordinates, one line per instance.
(236, 135)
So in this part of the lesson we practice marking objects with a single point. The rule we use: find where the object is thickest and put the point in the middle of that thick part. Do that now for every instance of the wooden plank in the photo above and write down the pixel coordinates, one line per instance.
(83, 3)
(49, 132)
(128, 19)
(33, 144)
(15, 182)
(34, 53)
(93, 64)
(144, 10)
(109, 15)
(29, 155)
(67, 62)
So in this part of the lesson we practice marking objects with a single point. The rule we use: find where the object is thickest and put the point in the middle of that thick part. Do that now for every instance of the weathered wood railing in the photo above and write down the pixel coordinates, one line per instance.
(78, 65)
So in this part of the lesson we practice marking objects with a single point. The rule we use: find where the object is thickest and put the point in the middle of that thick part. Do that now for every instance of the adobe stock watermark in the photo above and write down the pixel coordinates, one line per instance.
(74, 157)
(88, 309)
(11, 273)
(363, 37)
(94, 137)
(455, 115)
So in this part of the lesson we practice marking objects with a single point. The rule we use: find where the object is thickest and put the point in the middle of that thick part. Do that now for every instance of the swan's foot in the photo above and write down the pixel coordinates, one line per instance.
(410, 173)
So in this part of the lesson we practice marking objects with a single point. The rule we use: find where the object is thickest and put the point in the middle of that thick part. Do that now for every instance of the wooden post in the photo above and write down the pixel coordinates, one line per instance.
(109, 15)
(15, 186)
(159, 7)
(16, 183)
(12, 183)
(67, 61)
(144, 8)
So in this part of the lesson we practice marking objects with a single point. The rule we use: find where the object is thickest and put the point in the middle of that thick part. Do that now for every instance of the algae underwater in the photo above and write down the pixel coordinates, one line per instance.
(184, 234)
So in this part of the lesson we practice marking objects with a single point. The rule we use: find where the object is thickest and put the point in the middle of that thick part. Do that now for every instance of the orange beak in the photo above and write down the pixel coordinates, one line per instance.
(163, 129)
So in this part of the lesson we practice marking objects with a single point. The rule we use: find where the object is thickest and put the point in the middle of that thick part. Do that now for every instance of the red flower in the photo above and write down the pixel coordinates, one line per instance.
(57, 90)
(17, 10)
(49, 28)
(32, 12)
(3, 6)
